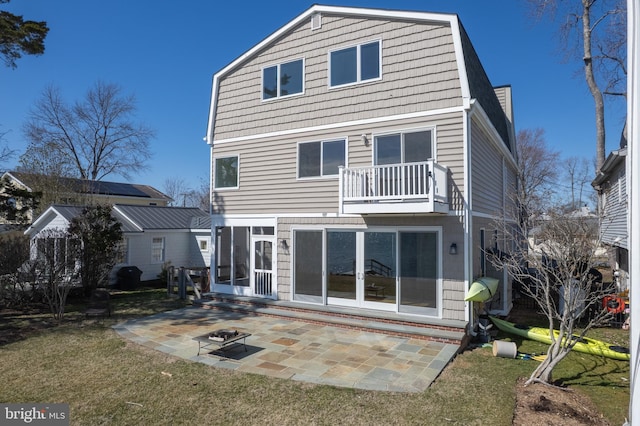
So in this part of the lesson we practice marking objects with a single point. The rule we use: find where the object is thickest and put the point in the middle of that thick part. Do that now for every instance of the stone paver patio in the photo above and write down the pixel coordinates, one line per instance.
(297, 350)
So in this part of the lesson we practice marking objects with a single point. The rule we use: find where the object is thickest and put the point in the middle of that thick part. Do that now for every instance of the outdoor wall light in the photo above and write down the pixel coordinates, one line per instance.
(365, 140)
(453, 248)
(284, 245)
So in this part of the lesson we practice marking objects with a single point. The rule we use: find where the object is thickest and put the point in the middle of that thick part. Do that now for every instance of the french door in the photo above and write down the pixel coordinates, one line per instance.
(384, 269)
(361, 269)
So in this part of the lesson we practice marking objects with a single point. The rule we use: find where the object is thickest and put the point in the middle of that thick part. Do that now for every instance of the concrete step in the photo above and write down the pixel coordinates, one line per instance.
(389, 323)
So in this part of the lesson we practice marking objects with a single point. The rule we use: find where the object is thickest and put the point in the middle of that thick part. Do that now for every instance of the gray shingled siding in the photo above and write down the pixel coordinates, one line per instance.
(268, 167)
(486, 173)
(452, 231)
(419, 73)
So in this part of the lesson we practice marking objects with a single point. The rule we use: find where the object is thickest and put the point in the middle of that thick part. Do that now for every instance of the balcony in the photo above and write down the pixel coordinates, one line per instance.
(395, 188)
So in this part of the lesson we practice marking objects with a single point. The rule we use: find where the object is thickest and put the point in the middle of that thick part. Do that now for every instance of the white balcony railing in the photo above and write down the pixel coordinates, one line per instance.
(394, 188)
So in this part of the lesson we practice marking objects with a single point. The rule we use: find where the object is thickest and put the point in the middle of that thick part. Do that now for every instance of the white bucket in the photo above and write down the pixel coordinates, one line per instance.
(504, 349)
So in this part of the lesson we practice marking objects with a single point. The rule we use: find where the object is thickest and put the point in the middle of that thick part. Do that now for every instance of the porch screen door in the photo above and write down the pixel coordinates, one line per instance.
(262, 267)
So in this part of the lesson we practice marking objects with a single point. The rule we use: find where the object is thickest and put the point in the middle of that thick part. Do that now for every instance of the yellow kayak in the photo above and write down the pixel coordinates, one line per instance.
(482, 289)
(584, 344)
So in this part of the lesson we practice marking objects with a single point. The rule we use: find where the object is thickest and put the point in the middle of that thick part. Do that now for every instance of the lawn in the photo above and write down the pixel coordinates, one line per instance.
(108, 380)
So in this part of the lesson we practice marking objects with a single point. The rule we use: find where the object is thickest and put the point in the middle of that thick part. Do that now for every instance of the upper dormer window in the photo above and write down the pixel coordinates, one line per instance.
(355, 64)
(284, 79)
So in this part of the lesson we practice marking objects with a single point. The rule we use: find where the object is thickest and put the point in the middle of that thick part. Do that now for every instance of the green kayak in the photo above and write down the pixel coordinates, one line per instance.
(583, 344)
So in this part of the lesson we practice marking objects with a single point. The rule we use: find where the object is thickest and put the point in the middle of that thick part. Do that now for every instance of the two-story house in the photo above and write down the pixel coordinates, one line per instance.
(613, 205)
(359, 157)
(66, 190)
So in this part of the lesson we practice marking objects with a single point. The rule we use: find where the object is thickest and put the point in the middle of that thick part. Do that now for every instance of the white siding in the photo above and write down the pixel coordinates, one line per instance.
(180, 249)
(614, 222)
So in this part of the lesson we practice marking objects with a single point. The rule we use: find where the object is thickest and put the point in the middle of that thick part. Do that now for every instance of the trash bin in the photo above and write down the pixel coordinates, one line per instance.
(128, 277)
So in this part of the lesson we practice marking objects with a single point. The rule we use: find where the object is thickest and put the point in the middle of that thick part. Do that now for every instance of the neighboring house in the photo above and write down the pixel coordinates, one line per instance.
(63, 190)
(153, 235)
(359, 158)
(613, 199)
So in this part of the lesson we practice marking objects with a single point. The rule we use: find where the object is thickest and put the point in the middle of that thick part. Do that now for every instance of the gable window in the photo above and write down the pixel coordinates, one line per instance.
(407, 147)
(355, 64)
(283, 80)
(317, 159)
(203, 243)
(226, 172)
(157, 250)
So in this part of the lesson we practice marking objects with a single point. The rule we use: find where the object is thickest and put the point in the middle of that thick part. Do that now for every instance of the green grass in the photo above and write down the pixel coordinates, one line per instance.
(108, 380)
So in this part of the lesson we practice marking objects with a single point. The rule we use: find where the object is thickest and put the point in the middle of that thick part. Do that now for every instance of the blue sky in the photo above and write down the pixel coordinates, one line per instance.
(165, 54)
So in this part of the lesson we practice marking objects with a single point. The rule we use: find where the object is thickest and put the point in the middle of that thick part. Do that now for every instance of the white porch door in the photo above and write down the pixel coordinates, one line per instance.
(262, 266)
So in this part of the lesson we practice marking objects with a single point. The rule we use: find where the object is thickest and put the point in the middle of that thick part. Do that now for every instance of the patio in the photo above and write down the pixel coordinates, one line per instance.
(297, 350)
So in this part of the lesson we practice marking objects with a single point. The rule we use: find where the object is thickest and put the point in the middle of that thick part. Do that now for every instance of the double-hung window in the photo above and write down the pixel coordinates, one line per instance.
(318, 159)
(226, 172)
(282, 80)
(157, 250)
(355, 64)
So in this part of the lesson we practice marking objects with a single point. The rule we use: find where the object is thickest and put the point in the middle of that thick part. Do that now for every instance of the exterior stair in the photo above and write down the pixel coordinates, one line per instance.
(390, 323)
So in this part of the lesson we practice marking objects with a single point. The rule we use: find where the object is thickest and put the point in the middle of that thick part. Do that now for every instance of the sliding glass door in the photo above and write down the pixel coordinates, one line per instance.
(307, 267)
(384, 269)
(419, 272)
(342, 278)
(379, 270)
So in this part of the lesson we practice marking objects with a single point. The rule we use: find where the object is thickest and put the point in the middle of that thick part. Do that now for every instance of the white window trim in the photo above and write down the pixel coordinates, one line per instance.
(322, 141)
(277, 65)
(358, 64)
(207, 240)
(153, 248)
(434, 155)
(226, 188)
(316, 21)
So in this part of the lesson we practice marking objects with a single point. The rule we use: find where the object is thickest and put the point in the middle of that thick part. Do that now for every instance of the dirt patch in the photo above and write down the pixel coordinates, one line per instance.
(538, 404)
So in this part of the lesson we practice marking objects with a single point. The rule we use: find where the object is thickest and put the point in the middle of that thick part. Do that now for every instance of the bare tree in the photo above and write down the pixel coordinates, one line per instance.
(537, 173)
(5, 152)
(185, 196)
(554, 267)
(54, 270)
(176, 188)
(202, 195)
(579, 175)
(90, 139)
(595, 32)
(552, 252)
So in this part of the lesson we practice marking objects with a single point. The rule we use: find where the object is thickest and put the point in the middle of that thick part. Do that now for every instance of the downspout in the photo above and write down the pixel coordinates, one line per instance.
(466, 212)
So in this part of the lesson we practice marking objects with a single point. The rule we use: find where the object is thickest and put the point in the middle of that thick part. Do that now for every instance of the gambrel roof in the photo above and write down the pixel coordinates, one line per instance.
(475, 85)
